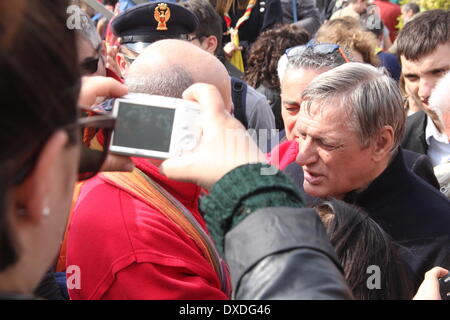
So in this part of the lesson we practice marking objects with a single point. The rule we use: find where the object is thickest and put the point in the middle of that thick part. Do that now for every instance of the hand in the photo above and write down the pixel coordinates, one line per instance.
(429, 289)
(224, 144)
(230, 48)
(95, 89)
(111, 63)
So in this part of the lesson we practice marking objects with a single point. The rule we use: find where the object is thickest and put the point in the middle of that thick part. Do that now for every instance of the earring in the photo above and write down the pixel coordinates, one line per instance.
(46, 212)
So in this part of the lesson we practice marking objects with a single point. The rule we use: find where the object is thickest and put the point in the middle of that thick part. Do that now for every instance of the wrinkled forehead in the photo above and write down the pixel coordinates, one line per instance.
(330, 115)
(330, 108)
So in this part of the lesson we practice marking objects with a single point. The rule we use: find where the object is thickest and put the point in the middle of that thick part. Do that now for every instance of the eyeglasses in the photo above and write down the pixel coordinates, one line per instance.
(322, 48)
(129, 59)
(199, 38)
(91, 161)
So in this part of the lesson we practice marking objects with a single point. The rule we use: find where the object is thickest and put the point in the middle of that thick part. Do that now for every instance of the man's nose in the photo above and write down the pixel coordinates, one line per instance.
(426, 86)
(307, 153)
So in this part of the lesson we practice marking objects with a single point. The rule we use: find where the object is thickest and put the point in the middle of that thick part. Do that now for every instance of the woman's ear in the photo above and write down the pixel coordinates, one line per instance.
(33, 195)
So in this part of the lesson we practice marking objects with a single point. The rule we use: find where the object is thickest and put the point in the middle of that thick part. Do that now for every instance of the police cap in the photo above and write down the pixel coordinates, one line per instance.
(149, 22)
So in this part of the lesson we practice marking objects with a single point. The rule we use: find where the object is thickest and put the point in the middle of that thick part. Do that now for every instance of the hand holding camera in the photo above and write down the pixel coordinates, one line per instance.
(224, 144)
(435, 286)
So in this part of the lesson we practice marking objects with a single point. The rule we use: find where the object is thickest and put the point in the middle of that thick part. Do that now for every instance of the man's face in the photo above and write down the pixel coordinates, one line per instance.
(361, 6)
(422, 75)
(292, 86)
(330, 153)
(407, 14)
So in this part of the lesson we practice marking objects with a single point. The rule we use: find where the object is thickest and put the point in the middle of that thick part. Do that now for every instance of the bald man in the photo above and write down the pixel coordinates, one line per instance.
(168, 67)
(141, 235)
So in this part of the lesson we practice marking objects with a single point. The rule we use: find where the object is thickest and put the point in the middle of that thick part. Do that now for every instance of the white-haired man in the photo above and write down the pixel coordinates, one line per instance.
(349, 130)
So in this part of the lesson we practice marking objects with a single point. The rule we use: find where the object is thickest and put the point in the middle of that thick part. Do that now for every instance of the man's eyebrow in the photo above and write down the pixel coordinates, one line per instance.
(439, 69)
(291, 102)
(410, 74)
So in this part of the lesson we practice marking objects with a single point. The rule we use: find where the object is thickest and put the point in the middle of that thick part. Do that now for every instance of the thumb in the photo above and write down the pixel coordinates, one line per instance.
(178, 168)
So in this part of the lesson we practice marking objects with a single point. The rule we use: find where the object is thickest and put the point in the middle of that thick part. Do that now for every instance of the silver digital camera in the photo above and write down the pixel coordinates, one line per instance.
(152, 126)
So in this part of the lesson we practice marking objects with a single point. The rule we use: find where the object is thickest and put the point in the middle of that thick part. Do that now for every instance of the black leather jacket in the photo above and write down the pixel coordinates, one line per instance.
(283, 253)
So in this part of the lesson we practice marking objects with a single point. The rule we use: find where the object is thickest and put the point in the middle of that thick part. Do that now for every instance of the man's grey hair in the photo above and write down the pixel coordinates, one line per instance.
(88, 31)
(309, 59)
(440, 97)
(371, 99)
(170, 82)
(411, 6)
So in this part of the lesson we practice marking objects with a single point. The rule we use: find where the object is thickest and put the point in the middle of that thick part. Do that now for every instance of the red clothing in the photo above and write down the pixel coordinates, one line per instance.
(284, 154)
(389, 13)
(128, 250)
(111, 74)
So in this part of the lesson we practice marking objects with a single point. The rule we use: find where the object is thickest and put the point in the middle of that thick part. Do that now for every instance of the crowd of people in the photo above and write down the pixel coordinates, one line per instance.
(334, 185)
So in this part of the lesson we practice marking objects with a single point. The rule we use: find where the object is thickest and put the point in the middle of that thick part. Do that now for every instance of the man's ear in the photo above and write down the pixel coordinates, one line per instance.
(210, 44)
(382, 145)
(33, 195)
(103, 49)
(122, 63)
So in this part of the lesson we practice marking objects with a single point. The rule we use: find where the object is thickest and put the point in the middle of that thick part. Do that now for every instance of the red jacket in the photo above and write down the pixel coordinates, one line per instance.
(284, 154)
(128, 250)
(389, 13)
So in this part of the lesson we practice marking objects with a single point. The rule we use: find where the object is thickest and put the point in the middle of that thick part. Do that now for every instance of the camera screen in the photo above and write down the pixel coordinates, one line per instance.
(144, 127)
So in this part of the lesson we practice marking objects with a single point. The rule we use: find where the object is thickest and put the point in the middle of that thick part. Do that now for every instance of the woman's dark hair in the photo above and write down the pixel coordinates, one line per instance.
(267, 50)
(360, 242)
(39, 88)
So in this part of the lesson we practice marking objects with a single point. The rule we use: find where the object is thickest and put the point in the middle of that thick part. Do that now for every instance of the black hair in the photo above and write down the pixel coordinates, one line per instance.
(359, 243)
(39, 88)
(210, 23)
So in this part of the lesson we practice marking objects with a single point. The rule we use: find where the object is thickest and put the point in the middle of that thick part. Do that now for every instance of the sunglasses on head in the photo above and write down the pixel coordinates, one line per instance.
(322, 48)
(98, 127)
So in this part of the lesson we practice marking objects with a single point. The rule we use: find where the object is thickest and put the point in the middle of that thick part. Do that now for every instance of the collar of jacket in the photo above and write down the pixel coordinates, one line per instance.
(384, 188)
(187, 193)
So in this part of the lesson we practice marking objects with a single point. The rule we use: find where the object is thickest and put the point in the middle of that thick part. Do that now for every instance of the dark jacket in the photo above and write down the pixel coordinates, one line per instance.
(308, 15)
(414, 138)
(274, 100)
(295, 260)
(265, 15)
(411, 211)
(276, 248)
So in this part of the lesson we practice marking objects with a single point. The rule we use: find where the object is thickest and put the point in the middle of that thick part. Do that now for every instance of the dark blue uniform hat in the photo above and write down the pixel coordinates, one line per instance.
(149, 22)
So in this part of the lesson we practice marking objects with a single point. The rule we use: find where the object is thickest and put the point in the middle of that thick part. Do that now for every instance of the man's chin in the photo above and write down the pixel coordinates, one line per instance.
(314, 191)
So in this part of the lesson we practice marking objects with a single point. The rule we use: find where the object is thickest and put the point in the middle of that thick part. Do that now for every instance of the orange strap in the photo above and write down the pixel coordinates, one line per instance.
(138, 185)
(141, 186)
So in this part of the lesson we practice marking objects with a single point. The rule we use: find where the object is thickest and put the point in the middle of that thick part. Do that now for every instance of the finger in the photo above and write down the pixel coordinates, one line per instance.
(117, 163)
(93, 87)
(436, 272)
(176, 168)
(207, 96)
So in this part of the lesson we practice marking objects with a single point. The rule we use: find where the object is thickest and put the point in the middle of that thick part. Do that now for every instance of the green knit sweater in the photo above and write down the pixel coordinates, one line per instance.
(242, 192)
